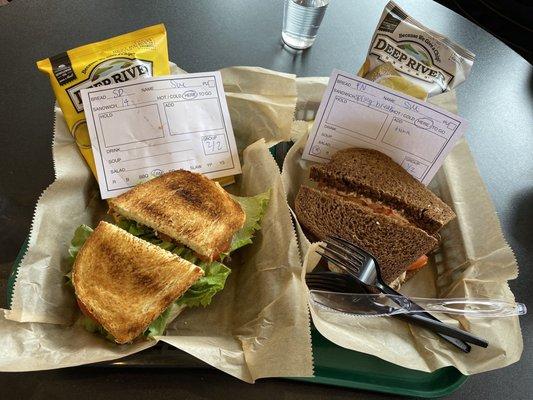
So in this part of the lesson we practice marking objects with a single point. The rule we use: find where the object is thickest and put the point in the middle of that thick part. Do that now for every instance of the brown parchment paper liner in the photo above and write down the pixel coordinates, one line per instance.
(72, 199)
(474, 260)
(261, 103)
(258, 326)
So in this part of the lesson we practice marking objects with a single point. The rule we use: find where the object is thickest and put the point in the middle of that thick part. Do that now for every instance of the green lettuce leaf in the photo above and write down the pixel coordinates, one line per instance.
(81, 234)
(158, 326)
(90, 325)
(138, 230)
(254, 207)
(202, 291)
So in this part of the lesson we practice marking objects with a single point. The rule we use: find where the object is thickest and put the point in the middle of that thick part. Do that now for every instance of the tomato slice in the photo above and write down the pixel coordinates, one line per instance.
(419, 263)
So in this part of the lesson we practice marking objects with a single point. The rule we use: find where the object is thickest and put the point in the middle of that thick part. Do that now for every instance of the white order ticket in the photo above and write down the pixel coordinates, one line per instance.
(147, 127)
(355, 112)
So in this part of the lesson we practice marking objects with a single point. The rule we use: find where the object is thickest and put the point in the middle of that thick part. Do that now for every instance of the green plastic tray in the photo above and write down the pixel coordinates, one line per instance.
(338, 366)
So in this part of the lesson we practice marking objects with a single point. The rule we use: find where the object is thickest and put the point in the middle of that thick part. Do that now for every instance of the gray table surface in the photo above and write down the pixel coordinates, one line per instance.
(208, 35)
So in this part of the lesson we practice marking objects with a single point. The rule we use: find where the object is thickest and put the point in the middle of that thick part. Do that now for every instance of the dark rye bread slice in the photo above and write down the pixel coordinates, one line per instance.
(394, 244)
(375, 175)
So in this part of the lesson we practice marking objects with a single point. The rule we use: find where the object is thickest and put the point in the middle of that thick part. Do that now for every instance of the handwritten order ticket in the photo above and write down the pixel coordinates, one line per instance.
(355, 112)
(147, 127)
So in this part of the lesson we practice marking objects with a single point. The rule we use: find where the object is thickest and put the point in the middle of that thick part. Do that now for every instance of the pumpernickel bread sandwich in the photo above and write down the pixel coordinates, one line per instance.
(185, 207)
(363, 196)
(124, 283)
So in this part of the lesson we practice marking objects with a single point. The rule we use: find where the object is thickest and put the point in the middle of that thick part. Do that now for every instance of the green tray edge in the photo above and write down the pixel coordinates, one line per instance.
(14, 271)
(457, 378)
(338, 366)
(385, 389)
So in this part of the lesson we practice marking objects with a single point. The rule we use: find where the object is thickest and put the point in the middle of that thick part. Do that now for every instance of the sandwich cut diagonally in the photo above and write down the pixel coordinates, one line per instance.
(363, 196)
(124, 283)
(182, 214)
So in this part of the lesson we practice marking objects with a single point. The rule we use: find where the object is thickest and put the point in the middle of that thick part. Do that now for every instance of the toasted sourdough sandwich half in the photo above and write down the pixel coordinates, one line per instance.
(188, 208)
(124, 283)
(363, 196)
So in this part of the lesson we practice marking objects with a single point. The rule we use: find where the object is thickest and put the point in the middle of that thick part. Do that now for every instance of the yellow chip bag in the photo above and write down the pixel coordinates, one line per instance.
(142, 53)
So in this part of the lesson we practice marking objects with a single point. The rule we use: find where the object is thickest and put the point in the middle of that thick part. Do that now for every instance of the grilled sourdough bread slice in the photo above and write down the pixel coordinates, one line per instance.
(124, 283)
(375, 175)
(188, 207)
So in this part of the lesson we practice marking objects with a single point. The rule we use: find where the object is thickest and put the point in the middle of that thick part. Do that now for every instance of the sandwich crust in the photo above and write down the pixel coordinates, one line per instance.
(394, 243)
(188, 207)
(125, 283)
(375, 175)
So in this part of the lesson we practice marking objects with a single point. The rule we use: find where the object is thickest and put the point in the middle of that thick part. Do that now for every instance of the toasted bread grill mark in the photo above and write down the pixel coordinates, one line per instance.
(196, 197)
(375, 175)
(326, 214)
(188, 207)
(153, 209)
(110, 255)
(125, 282)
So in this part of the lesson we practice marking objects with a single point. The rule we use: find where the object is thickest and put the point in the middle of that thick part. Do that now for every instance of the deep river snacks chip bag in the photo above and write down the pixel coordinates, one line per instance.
(411, 58)
(142, 53)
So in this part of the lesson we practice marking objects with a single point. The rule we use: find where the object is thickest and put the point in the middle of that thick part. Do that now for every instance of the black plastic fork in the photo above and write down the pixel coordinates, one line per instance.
(362, 266)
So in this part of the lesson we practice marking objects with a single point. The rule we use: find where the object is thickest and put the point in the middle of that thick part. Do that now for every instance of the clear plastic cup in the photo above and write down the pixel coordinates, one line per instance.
(301, 20)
